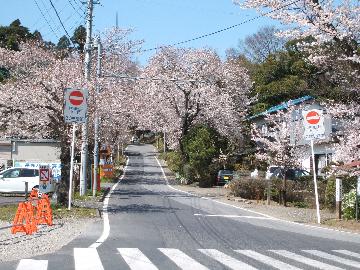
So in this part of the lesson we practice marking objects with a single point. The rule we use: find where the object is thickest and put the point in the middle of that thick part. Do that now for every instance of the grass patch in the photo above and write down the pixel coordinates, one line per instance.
(7, 212)
(89, 195)
(343, 224)
(60, 212)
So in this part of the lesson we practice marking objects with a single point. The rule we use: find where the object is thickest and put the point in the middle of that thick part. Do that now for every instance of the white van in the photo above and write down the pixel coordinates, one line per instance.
(13, 180)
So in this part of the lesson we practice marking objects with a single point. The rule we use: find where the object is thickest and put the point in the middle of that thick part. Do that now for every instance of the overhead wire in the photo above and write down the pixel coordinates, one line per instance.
(57, 14)
(46, 20)
(216, 32)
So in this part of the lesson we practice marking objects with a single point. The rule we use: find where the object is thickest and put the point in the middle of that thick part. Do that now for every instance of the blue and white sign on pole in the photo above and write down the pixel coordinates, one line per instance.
(313, 124)
(75, 105)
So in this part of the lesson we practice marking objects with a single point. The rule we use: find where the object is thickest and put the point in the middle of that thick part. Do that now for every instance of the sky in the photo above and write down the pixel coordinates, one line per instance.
(156, 22)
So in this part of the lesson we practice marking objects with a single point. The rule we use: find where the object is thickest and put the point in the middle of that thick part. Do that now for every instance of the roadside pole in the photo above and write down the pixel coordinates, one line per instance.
(357, 199)
(71, 165)
(75, 112)
(315, 183)
(314, 128)
(84, 138)
(164, 142)
(97, 120)
(338, 197)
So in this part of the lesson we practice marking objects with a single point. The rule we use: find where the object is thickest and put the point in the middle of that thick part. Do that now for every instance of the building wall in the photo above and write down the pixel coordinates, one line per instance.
(36, 151)
(5, 151)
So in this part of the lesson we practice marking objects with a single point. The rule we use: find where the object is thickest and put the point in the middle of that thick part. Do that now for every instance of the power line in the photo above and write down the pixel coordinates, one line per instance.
(57, 14)
(47, 22)
(76, 10)
(218, 31)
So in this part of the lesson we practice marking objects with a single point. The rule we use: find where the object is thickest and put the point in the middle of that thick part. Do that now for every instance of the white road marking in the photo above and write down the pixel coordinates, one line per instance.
(267, 260)
(349, 253)
(334, 258)
(106, 228)
(305, 260)
(233, 216)
(135, 259)
(226, 260)
(182, 260)
(251, 211)
(28, 264)
(87, 259)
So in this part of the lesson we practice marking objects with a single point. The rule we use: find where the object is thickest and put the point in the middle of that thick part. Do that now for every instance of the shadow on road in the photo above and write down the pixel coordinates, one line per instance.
(140, 208)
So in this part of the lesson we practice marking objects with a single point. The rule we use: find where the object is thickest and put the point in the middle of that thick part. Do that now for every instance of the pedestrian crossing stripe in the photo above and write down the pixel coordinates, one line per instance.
(89, 259)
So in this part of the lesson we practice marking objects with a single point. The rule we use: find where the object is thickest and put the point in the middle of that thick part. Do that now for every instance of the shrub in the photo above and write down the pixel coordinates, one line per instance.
(248, 188)
(330, 200)
(348, 205)
(174, 161)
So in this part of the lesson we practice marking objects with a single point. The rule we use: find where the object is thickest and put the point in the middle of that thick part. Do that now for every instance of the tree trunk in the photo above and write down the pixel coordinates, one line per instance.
(284, 190)
(63, 190)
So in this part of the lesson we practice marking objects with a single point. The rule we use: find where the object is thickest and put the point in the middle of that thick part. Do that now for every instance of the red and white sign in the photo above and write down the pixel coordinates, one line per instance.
(313, 124)
(312, 117)
(44, 172)
(76, 98)
(75, 105)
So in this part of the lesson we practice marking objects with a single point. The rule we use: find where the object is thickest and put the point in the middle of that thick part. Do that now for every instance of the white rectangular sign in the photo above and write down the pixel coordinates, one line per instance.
(75, 105)
(338, 186)
(313, 124)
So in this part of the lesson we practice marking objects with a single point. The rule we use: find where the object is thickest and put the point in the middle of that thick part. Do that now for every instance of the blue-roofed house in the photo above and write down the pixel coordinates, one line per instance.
(323, 150)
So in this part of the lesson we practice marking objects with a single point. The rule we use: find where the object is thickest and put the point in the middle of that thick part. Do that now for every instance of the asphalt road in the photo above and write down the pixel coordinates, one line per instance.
(153, 226)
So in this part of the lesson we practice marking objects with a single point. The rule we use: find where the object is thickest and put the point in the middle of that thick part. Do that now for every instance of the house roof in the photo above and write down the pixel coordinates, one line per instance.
(282, 106)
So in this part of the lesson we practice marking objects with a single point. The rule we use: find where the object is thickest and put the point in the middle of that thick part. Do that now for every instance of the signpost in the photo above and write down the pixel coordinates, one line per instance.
(44, 175)
(314, 129)
(75, 111)
(338, 197)
(75, 105)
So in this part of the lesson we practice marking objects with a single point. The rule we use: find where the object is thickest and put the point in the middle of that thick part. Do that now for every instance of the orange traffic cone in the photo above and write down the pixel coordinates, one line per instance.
(44, 211)
(24, 213)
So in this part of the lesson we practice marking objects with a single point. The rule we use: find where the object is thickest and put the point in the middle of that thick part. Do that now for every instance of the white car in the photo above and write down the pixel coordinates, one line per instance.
(13, 180)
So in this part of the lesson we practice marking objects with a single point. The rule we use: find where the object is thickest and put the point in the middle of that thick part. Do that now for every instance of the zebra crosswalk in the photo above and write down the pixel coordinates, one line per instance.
(88, 258)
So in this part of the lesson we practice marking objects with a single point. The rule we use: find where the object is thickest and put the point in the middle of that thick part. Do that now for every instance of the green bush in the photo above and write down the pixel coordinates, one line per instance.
(330, 200)
(174, 161)
(348, 204)
(248, 188)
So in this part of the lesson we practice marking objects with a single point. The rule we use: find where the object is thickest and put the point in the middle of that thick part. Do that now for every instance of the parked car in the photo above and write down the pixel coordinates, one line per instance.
(224, 176)
(134, 140)
(13, 180)
(291, 173)
(270, 170)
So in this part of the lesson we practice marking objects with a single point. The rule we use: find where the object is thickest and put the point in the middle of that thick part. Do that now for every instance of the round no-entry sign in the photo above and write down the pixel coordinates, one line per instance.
(76, 98)
(312, 117)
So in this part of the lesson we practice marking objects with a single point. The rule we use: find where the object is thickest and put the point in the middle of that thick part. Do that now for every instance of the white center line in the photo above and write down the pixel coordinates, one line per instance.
(232, 216)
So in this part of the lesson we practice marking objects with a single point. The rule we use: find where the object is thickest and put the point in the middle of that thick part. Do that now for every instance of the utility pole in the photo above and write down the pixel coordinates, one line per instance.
(96, 120)
(84, 138)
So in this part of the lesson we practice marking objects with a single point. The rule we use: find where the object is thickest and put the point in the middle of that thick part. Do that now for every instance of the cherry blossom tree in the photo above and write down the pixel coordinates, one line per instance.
(117, 100)
(328, 31)
(190, 86)
(346, 146)
(274, 146)
(32, 99)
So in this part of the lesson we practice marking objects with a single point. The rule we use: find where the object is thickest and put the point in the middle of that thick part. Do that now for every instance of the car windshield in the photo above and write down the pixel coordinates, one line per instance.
(226, 172)
(273, 169)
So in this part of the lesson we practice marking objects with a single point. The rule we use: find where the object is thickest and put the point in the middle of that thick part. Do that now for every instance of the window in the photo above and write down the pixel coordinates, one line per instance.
(27, 173)
(12, 173)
